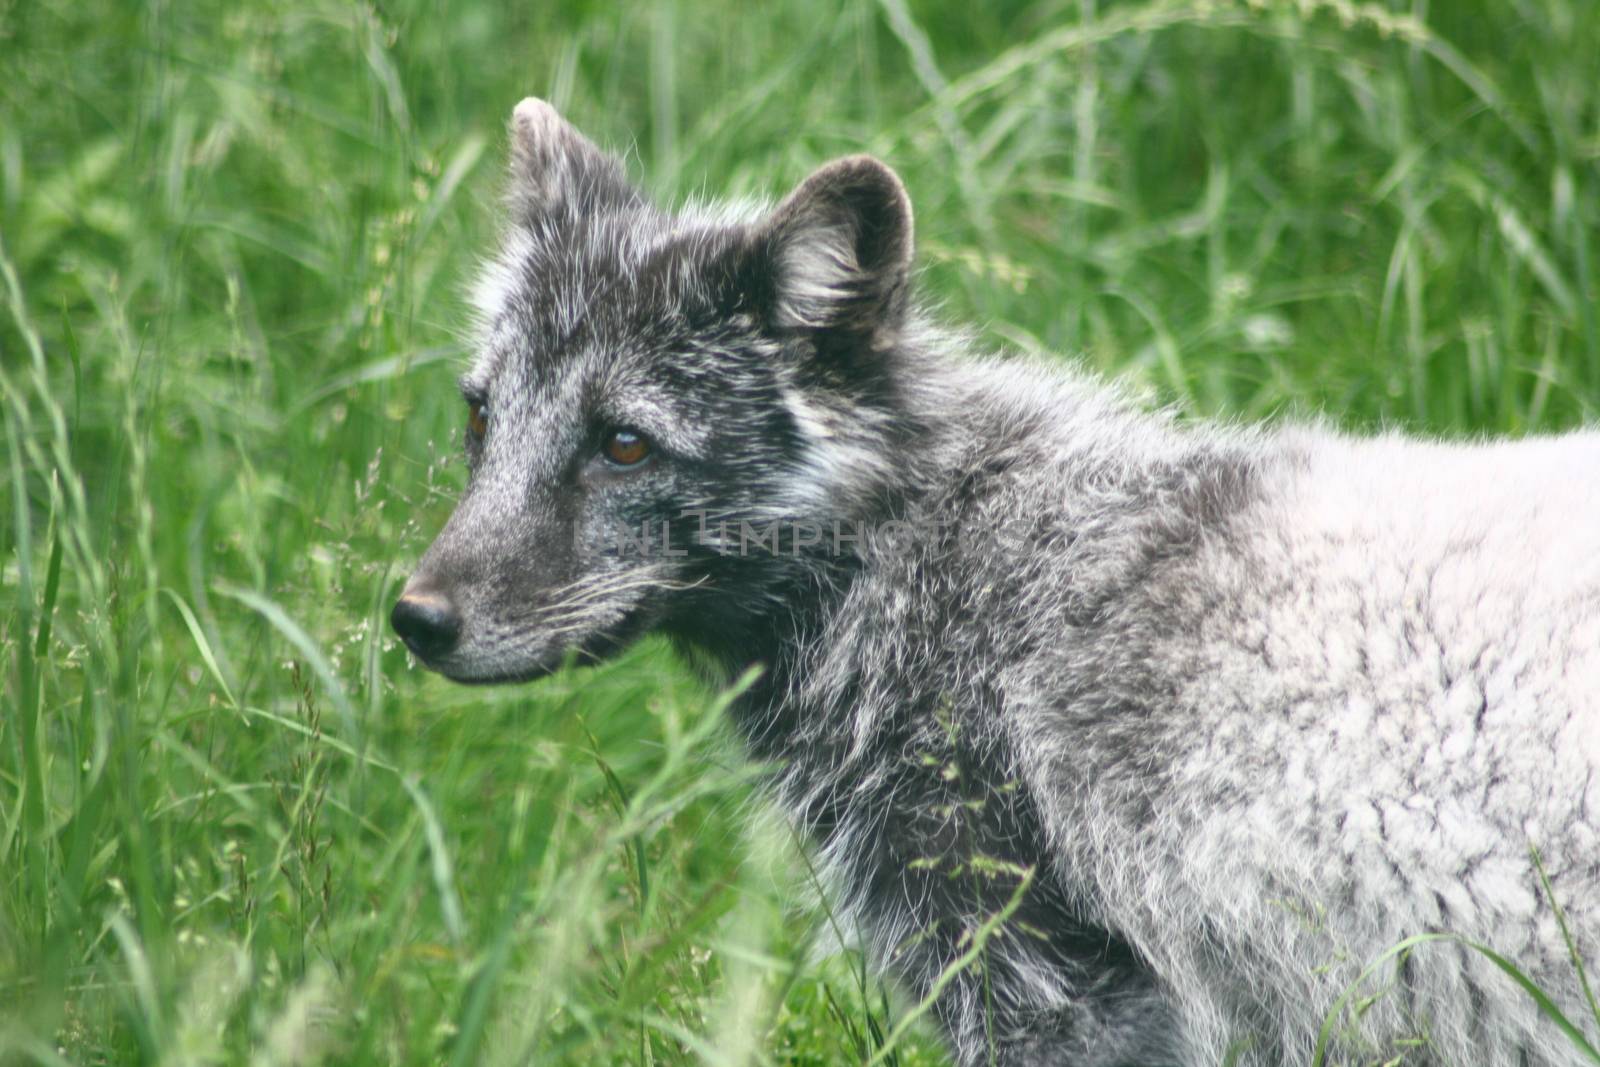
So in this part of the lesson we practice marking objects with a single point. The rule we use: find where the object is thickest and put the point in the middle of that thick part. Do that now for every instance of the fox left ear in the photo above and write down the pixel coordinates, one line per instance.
(839, 249)
(554, 167)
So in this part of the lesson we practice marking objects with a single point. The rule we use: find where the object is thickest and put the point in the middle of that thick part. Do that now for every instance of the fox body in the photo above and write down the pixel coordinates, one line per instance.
(1179, 726)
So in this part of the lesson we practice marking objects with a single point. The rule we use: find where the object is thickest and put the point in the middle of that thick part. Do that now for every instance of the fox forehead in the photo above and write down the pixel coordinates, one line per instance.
(622, 333)
(634, 274)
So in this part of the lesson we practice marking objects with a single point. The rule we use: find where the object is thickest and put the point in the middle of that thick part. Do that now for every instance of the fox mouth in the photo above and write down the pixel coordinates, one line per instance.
(530, 673)
(469, 666)
(582, 622)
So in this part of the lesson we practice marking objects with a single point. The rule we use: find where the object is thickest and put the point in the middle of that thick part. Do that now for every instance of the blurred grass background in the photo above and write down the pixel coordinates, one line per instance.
(237, 827)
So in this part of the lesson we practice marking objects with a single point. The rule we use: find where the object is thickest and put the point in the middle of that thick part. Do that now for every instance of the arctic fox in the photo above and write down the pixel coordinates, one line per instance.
(1193, 722)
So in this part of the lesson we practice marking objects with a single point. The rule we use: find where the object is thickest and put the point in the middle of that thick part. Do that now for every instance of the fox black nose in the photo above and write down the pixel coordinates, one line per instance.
(427, 622)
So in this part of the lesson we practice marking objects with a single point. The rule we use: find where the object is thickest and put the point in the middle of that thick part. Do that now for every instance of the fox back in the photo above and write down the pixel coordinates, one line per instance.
(1134, 741)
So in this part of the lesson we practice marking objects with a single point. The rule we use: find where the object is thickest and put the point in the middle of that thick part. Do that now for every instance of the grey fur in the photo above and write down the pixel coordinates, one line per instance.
(1247, 706)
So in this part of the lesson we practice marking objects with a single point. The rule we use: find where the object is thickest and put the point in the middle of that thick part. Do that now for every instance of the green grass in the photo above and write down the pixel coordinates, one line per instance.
(237, 827)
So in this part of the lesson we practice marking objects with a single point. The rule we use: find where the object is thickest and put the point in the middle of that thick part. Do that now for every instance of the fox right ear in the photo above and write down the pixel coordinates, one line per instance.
(554, 167)
(839, 247)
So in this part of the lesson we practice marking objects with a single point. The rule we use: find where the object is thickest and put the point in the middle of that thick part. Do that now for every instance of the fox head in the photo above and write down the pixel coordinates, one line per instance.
(649, 388)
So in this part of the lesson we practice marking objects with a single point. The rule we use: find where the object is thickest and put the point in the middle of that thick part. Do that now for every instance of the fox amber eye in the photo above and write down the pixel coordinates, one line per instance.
(477, 418)
(626, 448)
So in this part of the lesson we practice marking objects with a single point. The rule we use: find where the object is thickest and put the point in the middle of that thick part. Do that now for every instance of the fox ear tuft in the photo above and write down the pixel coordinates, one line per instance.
(553, 166)
(840, 250)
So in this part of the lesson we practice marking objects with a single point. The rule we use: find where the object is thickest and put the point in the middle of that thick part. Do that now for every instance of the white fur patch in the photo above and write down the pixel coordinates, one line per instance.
(814, 270)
